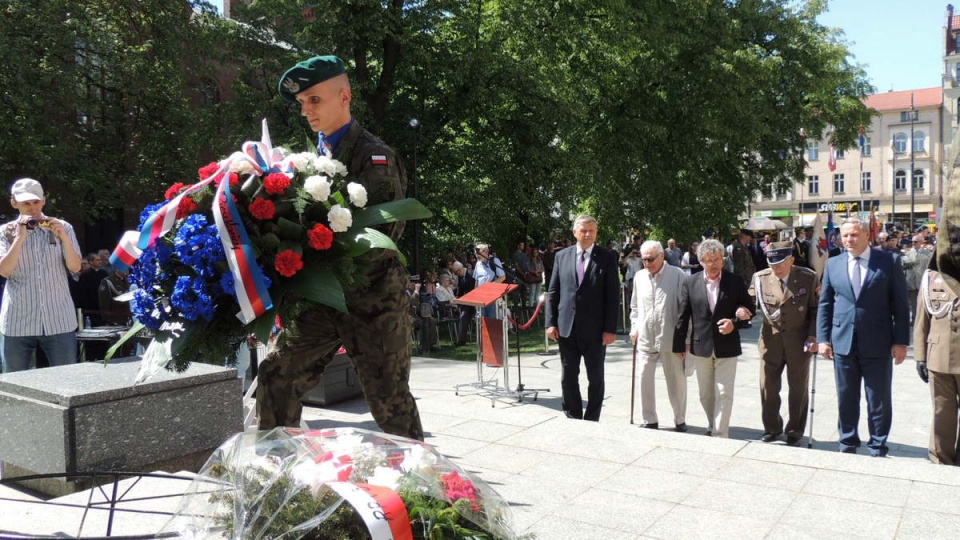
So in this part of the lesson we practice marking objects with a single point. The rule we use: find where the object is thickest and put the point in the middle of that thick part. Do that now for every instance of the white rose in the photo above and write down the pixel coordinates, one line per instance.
(318, 187)
(340, 218)
(240, 164)
(358, 194)
(330, 166)
(302, 161)
(385, 477)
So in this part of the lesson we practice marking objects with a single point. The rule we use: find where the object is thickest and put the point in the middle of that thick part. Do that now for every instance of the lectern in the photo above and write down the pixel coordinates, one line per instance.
(491, 336)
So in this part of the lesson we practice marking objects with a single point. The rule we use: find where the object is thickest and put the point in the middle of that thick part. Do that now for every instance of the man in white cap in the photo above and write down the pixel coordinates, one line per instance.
(37, 255)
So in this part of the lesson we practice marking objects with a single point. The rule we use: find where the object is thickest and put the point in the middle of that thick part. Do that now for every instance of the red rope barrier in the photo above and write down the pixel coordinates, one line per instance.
(532, 318)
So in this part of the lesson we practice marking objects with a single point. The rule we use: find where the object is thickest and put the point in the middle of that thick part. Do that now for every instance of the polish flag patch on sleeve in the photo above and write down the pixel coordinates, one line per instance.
(378, 159)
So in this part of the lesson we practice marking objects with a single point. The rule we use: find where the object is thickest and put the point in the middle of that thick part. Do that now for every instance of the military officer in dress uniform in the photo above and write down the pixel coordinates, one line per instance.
(936, 338)
(787, 296)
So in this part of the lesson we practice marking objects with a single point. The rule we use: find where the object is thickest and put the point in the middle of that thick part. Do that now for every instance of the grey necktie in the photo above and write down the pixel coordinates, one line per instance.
(580, 263)
(856, 281)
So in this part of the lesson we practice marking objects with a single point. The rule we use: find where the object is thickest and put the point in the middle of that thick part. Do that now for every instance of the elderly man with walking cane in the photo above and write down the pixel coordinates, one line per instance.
(654, 308)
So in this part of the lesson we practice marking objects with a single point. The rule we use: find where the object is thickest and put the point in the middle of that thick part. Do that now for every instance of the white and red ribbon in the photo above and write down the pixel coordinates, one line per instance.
(381, 509)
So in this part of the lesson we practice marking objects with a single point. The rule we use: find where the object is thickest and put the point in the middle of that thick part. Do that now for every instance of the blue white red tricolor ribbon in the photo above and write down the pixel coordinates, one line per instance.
(252, 294)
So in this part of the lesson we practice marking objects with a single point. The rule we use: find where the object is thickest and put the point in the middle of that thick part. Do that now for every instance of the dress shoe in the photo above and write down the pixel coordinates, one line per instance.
(709, 434)
(650, 425)
(793, 440)
(770, 437)
(681, 428)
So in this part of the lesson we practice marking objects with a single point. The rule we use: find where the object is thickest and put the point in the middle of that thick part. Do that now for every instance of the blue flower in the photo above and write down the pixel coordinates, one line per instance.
(192, 299)
(147, 310)
(198, 245)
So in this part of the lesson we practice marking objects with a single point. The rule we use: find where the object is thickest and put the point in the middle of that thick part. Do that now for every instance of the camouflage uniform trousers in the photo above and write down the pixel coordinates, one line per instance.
(376, 334)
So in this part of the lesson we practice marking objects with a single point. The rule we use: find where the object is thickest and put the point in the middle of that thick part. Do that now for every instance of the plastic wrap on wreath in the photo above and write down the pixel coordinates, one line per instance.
(339, 483)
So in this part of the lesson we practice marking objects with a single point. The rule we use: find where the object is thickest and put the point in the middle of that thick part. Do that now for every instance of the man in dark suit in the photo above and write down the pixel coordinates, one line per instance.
(863, 320)
(584, 296)
(713, 302)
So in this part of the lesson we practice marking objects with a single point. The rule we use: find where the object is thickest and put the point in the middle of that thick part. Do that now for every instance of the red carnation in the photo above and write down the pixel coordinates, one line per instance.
(320, 237)
(186, 207)
(288, 263)
(276, 183)
(207, 170)
(173, 191)
(234, 179)
(262, 209)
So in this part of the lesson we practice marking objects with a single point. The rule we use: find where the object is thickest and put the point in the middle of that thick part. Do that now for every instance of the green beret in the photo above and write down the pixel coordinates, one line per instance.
(308, 73)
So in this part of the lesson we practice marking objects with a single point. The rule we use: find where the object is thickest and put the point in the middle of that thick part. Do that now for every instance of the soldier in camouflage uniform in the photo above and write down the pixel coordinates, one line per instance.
(742, 258)
(376, 330)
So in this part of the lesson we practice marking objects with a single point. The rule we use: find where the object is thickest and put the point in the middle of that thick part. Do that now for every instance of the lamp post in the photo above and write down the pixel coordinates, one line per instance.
(415, 126)
(913, 180)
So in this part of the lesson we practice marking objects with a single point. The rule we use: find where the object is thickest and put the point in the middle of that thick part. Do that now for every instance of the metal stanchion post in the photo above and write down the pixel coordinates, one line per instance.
(546, 340)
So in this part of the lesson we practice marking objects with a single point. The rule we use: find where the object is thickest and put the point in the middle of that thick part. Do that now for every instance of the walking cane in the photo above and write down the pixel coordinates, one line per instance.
(813, 396)
(633, 382)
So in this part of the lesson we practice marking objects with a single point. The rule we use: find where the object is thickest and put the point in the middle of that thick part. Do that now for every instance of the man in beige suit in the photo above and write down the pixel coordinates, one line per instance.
(787, 297)
(936, 347)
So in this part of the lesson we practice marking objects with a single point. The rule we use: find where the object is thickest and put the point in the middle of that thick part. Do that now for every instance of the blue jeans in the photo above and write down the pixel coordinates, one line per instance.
(61, 350)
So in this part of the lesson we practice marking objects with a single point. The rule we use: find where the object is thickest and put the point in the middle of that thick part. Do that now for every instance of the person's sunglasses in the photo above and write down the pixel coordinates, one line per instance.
(648, 259)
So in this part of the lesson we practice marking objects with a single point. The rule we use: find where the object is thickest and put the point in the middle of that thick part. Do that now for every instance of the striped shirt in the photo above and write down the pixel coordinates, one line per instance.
(36, 301)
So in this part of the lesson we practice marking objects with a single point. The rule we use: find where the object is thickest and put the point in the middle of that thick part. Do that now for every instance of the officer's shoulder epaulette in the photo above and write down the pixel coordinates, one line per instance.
(804, 270)
(764, 272)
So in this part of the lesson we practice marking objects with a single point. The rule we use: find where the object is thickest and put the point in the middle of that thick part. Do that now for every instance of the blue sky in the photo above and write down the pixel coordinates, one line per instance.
(899, 42)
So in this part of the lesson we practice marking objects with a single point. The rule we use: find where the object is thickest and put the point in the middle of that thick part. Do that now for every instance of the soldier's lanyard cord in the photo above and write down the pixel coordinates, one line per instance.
(944, 308)
(772, 317)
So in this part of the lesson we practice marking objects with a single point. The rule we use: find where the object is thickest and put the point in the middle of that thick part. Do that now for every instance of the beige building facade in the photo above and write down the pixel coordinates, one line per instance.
(909, 139)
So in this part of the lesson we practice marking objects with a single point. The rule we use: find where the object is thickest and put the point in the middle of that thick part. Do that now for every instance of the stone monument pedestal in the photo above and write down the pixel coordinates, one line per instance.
(90, 417)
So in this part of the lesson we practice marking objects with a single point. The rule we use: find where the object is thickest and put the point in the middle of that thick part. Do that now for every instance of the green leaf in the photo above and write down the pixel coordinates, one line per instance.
(389, 212)
(319, 285)
(262, 325)
(289, 230)
(137, 327)
(338, 198)
(366, 239)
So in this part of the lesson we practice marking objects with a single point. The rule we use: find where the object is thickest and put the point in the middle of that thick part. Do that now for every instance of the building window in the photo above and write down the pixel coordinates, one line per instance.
(813, 185)
(813, 151)
(918, 178)
(838, 183)
(900, 180)
(866, 147)
(919, 138)
(783, 193)
(900, 143)
(906, 116)
(839, 153)
(865, 182)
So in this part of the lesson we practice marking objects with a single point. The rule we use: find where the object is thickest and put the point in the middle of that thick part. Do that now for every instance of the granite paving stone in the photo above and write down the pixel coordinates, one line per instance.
(918, 524)
(749, 500)
(842, 515)
(701, 524)
(860, 487)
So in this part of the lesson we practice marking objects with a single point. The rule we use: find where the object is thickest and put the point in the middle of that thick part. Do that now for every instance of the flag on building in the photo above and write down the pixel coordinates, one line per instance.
(832, 162)
(818, 247)
(874, 227)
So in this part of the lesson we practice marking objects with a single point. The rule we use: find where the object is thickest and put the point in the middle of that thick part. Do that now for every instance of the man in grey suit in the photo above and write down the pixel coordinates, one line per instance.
(584, 297)
(863, 320)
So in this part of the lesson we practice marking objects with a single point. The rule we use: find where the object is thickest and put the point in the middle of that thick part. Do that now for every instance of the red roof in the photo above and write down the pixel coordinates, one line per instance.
(891, 101)
(954, 22)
